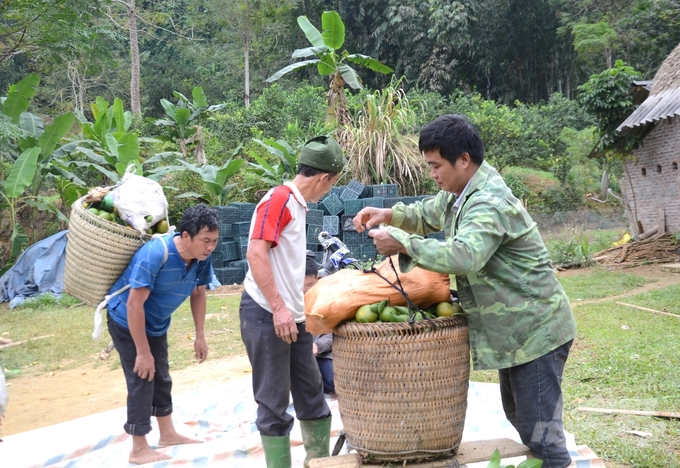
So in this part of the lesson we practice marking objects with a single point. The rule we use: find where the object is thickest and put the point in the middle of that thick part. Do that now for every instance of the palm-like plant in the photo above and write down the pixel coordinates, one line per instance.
(184, 121)
(378, 147)
(330, 62)
(276, 173)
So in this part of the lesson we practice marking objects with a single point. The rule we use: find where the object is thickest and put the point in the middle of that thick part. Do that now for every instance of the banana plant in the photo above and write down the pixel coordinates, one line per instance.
(330, 62)
(184, 122)
(38, 153)
(275, 174)
(215, 180)
(52, 160)
(110, 147)
(15, 198)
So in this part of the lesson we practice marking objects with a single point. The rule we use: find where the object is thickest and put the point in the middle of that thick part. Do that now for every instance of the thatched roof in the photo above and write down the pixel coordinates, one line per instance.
(664, 98)
(668, 76)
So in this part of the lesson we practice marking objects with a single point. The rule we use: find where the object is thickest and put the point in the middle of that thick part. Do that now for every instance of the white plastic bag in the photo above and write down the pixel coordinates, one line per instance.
(140, 201)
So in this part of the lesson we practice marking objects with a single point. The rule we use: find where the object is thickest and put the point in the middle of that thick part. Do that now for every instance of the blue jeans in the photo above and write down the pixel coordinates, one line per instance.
(145, 399)
(326, 368)
(279, 370)
(532, 400)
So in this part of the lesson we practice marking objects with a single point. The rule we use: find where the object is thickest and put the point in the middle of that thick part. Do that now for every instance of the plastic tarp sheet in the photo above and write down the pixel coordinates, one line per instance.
(39, 269)
(223, 417)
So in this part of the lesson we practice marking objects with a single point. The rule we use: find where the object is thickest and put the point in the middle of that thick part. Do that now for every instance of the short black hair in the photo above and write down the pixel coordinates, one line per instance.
(311, 267)
(309, 171)
(198, 217)
(452, 135)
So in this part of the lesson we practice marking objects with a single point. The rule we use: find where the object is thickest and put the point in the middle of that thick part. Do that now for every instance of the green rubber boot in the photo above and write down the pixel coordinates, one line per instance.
(316, 436)
(277, 451)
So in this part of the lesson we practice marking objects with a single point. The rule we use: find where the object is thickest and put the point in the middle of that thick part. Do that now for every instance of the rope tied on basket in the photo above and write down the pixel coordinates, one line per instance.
(413, 309)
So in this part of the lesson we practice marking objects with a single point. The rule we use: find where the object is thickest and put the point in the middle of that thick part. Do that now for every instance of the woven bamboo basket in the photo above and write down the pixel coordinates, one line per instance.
(97, 253)
(402, 388)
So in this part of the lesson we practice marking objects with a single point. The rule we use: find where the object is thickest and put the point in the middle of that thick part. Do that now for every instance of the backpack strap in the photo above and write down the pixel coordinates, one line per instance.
(98, 313)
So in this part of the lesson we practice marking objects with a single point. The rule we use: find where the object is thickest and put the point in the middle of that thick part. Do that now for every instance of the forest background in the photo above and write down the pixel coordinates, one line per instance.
(542, 80)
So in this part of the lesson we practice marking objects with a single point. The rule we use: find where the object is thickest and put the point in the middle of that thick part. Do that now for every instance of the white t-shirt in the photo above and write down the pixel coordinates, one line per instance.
(280, 218)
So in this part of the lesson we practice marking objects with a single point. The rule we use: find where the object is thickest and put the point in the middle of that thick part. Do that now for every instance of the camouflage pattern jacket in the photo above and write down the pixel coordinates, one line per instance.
(516, 308)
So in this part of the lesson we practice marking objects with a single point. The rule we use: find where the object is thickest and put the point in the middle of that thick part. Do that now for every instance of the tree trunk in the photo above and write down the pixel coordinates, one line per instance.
(135, 102)
(246, 42)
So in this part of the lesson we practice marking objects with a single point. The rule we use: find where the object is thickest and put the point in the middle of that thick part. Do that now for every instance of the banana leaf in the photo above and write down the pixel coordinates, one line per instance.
(22, 172)
(53, 133)
(19, 97)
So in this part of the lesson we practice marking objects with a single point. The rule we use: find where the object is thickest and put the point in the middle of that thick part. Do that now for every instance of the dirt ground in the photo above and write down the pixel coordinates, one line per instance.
(45, 399)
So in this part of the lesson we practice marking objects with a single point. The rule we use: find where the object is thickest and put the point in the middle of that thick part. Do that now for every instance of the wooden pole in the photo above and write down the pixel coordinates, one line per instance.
(647, 310)
(16, 343)
(658, 414)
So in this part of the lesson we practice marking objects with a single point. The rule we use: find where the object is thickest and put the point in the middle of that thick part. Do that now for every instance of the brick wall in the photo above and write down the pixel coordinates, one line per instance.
(655, 177)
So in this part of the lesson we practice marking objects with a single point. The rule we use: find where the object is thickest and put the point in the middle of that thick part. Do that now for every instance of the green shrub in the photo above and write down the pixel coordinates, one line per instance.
(515, 184)
(559, 199)
(175, 184)
(269, 116)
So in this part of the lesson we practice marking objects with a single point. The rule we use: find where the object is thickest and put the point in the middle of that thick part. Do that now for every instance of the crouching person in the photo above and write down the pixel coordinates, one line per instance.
(160, 279)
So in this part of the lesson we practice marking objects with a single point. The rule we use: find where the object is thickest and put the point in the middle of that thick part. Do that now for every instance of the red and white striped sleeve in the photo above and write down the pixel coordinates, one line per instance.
(272, 216)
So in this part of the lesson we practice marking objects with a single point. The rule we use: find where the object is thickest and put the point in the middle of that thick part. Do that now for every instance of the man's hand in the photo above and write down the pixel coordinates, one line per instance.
(201, 349)
(370, 216)
(385, 243)
(285, 326)
(315, 349)
(144, 366)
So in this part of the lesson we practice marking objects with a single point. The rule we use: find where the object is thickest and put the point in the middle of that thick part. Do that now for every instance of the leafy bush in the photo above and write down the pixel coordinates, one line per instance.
(427, 105)
(559, 199)
(269, 116)
(578, 249)
(175, 184)
(501, 128)
(515, 184)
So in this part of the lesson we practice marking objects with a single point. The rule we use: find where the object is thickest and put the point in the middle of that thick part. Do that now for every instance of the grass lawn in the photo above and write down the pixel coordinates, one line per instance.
(622, 358)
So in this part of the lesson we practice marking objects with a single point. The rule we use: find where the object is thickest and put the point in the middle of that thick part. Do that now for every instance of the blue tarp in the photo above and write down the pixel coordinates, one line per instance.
(39, 269)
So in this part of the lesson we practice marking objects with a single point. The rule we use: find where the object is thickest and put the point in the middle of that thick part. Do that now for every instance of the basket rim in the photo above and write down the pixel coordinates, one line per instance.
(421, 326)
(78, 209)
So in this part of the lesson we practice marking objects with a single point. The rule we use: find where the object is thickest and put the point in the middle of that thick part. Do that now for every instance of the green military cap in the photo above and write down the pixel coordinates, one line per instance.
(323, 153)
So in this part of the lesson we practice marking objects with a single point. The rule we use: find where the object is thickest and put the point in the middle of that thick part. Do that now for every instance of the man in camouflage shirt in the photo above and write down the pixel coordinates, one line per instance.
(519, 317)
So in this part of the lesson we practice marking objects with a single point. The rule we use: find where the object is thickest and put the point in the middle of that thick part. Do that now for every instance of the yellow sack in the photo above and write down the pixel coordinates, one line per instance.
(337, 297)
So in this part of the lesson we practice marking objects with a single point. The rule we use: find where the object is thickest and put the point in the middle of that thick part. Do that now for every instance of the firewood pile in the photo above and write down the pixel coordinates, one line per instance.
(657, 249)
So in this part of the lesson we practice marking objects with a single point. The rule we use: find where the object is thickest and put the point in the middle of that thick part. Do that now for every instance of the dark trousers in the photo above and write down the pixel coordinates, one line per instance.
(145, 399)
(279, 370)
(532, 400)
(326, 368)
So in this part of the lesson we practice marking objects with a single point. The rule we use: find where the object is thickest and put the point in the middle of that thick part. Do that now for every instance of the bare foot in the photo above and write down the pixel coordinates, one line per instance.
(147, 455)
(176, 439)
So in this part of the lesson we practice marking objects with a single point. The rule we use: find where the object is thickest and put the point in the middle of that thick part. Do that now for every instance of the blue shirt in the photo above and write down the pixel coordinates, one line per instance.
(170, 284)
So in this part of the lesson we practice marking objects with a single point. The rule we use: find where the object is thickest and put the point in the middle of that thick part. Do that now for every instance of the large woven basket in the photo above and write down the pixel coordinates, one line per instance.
(97, 252)
(402, 388)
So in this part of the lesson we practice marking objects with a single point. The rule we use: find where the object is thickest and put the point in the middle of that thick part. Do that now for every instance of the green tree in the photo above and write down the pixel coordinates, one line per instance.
(50, 28)
(606, 96)
(594, 39)
(329, 62)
